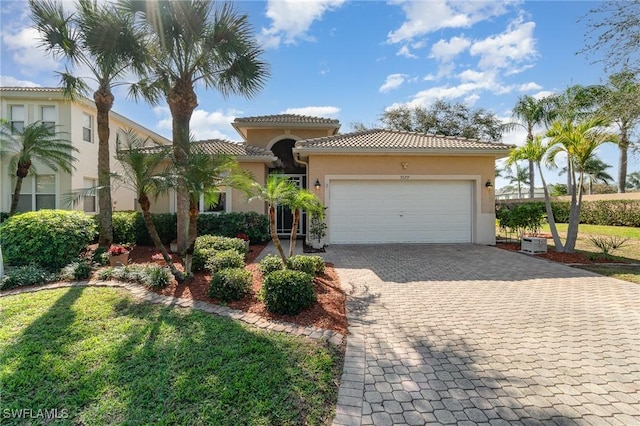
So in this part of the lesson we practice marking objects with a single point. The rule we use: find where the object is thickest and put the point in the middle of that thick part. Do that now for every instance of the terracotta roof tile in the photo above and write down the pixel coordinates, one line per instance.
(30, 89)
(219, 146)
(379, 139)
(286, 119)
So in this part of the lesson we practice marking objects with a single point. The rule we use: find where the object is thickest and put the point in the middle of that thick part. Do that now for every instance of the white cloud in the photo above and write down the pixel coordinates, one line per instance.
(527, 87)
(9, 81)
(404, 51)
(393, 81)
(424, 17)
(204, 124)
(429, 77)
(445, 51)
(315, 111)
(291, 20)
(543, 94)
(472, 75)
(25, 45)
(513, 46)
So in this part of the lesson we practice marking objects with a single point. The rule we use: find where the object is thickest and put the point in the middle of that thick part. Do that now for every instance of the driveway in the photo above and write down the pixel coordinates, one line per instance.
(467, 334)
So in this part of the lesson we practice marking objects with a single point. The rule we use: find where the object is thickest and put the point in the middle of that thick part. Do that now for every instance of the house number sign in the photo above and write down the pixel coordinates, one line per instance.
(404, 177)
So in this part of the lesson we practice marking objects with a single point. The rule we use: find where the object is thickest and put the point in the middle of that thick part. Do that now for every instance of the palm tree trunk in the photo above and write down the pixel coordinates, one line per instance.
(550, 218)
(622, 163)
(182, 101)
(103, 99)
(143, 200)
(574, 219)
(16, 195)
(274, 233)
(191, 241)
(294, 231)
(532, 178)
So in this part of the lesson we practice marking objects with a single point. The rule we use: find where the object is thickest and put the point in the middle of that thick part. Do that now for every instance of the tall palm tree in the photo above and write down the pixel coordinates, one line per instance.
(143, 173)
(595, 171)
(36, 142)
(529, 113)
(302, 200)
(277, 190)
(633, 181)
(535, 151)
(104, 42)
(194, 42)
(579, 142)
(620, 102)
(519, 177)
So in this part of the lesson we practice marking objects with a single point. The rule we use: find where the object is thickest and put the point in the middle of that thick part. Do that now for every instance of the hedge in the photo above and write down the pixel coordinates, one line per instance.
(604, 212)
(129, 227)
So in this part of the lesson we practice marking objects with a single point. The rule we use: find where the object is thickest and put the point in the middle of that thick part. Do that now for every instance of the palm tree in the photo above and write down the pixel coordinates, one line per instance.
(620, 102)
(36, 142)
(579, 142)
(190, 42)
(520, 177)
(104, 42)
(529, 113)
(143, 173)
(633, 181)
(206, 176)
(277, 190)
(535, 151)
(595, 171)
(303, 200)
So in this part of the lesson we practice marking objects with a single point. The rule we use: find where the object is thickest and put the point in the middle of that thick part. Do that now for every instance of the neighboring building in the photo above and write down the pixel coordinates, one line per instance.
(378, 186)
(512, 194)
(46, 188)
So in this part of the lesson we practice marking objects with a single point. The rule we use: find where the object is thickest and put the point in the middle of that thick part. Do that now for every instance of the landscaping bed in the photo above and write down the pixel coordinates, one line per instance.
(576, 258)
(327, 313)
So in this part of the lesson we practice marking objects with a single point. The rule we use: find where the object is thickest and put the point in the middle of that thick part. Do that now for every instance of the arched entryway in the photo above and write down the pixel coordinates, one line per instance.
(297, 173)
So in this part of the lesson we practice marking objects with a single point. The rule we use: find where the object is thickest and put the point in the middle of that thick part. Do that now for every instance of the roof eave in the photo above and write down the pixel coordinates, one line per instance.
(497, 153)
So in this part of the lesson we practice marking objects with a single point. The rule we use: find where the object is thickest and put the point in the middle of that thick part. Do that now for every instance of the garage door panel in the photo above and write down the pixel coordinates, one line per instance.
(400, 211)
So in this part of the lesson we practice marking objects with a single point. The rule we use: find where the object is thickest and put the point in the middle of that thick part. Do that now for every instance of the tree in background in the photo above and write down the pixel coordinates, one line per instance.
(528, 113)
(442, 118)
(595, 171)
(98, 39)
(518, 175)
(303, 200)
(633, 181)
(193, 42)
(36, 142)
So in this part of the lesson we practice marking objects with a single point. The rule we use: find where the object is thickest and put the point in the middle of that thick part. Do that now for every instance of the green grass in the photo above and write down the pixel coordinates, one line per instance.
(106, 359)
(618, 231)
(625, 273)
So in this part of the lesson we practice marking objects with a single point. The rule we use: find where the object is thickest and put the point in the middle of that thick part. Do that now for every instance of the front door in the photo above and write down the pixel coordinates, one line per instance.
(284, 216)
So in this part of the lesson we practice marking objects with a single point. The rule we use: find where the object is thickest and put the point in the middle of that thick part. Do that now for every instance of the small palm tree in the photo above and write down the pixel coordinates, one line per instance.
(36, 142)
(633, 181)
(303, 200)
(579, 142)
(520, 177)
(278, 190)
(595, 171)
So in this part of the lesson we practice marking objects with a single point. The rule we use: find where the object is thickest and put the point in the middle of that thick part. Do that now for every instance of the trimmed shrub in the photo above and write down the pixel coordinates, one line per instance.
(4, 216)
(521, 217)
(271, 263)
(49, 238)
(78, 270)
(313, 265)
(124, 227)
(224, 260)
(230, 284)
(23, 276)
(254, 225)
(287, 292)
(207, 245)
(152, 276)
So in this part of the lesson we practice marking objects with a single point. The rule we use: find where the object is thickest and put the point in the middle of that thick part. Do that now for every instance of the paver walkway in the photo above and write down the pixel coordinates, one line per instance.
(446, 334)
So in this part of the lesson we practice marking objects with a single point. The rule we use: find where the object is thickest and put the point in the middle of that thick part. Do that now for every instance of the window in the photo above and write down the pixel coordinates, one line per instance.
(48, 117)
(38, 192)
(17, 119)
(89, 201)
(87, 127)
(215, 205)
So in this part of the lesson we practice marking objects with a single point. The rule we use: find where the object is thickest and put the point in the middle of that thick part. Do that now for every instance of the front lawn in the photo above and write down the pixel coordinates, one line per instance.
(100, 357)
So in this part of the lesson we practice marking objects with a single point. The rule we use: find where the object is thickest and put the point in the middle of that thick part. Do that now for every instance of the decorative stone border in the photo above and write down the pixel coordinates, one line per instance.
(141, 293)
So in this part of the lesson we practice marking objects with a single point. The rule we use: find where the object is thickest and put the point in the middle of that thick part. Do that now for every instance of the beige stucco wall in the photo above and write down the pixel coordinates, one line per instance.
(476, 169)
(266, 137)
(239, 200)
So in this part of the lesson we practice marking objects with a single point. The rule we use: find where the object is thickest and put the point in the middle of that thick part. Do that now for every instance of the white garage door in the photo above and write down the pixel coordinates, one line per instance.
(398, 211)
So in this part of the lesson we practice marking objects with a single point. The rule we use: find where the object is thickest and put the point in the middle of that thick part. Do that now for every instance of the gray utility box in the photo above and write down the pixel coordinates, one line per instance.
(533, 245)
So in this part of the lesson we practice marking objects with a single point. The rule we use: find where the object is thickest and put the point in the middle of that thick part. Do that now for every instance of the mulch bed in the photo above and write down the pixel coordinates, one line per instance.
(327, 313)
(567, 258)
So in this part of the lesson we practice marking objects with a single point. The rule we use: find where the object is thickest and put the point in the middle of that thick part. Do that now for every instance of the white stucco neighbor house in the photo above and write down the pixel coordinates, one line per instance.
(378, 186)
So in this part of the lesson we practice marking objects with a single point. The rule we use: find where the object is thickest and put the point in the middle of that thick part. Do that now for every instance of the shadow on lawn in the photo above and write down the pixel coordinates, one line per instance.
(169, 366)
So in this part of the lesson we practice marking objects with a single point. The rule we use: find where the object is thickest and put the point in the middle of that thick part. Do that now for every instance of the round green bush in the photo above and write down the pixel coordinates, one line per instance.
(313, 265)
(230, 284)
(49, 238)
(270, 263)
(288, 292)
(77, 270)
(223, 260)
(207, 245)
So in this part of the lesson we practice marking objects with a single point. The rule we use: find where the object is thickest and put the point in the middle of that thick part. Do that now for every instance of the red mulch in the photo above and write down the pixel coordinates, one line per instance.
(328, 312)
(570, 258)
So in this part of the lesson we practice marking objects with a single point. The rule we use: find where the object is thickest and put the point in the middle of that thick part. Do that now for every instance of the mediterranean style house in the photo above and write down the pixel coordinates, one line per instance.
(378, 186)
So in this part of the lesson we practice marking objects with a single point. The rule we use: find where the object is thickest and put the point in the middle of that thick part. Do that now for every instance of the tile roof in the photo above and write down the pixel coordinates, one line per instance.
(286, 119)
(219, 146)
(30, 89)
(381, 140)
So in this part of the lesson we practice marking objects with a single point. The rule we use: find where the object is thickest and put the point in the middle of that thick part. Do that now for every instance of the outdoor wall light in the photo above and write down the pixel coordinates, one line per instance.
(488, 185)
(317, 185)
(404, 165)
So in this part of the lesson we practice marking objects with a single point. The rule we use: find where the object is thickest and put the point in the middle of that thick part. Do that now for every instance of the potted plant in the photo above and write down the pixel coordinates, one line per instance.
(317, 231)
(118, 255)
(246, 240)
(173, 246)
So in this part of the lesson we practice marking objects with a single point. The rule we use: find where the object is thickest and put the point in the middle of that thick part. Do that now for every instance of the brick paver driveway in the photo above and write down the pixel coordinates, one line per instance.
(470, 334)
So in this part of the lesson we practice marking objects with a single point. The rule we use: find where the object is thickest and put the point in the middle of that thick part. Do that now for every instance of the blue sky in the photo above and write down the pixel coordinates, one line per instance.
(350, 60)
